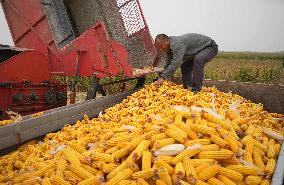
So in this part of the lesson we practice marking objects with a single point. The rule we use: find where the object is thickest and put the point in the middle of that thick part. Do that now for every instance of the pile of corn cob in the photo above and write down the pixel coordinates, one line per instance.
(6, 122)
(160, 135)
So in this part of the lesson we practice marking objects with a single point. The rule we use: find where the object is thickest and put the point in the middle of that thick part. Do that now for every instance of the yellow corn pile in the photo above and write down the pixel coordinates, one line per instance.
(6, 122)
(160, 135)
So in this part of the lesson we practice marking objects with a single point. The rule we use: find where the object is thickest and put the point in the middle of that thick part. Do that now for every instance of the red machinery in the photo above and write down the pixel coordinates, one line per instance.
(71, 38)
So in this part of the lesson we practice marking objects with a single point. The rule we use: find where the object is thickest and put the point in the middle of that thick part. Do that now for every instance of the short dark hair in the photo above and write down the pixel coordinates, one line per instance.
(162, 37)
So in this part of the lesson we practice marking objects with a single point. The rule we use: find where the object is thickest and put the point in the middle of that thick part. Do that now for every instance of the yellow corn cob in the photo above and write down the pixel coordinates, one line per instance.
(224, 124)
(70, 176)
(164, 142)
(176, 135)
(77, 147)
(208, 173)
(202, 129)
(163, 164)
(257, 132)
(97, 180)
(181, 132)
(137, 153)
(213, 125)
(265, 182)
(214, 181)
(253, 180)
(265, 140)
(260, 146)
(270, 166)
(245, 170)
(198, 162)
(175, 179)
(224, 133)
(158, 137)
(190, 133)
(257, 159)
(146, 160)
(132, 165)
(160, 182)
(42, 170)
(116, 140)
(32, 181)
(271, 150)
(231, 174)
(97, 156)
(164, 176)
(118, 169)
(262, 153)
(179, 170)
(217, 155)
(218, 140)
(109, 167)
(277, 148)
(200, 168)
(61, 166)
(85, 159)
(106, 136)
(250, 130)
(100, 173)
(90, 169)
(59, 181)
(122, 175)
(210, 147)
(187, 152)
(249, 146)
(144, 174)
(71, 156)
(233, 145)
(121, 153)
(99, 164)
(248, 157)
(125, 182)
(136, 141)
(246, 138)
(198, 141)
(142, 182)
(167, 159)
(201, 183)
(111, 150)
(189, 170)
(80, 172)
(231, 161)
(49, 172)
(225, 180)
(149, 134)
(46, 181)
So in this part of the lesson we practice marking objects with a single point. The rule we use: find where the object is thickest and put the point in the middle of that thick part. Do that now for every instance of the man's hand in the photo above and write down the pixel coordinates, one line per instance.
(159, 81)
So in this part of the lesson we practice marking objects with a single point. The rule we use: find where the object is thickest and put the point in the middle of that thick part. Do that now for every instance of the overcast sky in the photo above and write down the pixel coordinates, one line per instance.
(236, 25)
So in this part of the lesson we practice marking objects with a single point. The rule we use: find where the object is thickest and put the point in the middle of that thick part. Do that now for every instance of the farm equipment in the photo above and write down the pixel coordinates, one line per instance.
(92, 38)
(98, 39)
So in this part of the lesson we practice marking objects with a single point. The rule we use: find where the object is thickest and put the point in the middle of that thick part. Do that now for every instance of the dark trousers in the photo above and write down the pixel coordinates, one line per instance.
(192, 69)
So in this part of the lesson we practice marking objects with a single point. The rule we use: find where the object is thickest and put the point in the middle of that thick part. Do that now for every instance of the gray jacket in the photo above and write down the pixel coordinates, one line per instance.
(181, 47)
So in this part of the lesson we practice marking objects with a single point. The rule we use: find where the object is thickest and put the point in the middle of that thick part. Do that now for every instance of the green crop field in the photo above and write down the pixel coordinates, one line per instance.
(230, 66)
(247, 67)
